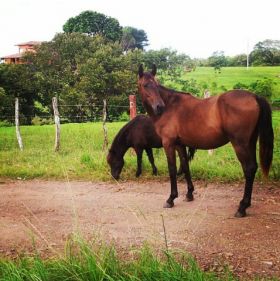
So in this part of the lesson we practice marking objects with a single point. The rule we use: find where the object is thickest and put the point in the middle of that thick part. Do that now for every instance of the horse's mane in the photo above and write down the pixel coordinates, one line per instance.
(172, 91)
(119, 138)
(121, 135)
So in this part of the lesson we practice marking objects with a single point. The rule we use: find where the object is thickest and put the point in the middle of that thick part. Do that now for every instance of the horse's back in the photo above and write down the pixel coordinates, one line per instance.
(142, 133)
(239, 112)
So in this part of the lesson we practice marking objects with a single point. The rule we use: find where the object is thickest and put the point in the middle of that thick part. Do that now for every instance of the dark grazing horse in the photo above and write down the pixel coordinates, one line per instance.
(140, 134)
(237, 116)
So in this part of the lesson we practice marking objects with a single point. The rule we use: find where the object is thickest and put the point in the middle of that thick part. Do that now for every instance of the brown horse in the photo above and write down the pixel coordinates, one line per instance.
(237, 116)
(140, 134)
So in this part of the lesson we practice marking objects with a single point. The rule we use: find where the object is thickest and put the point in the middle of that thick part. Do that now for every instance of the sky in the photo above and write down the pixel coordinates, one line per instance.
(194, 27)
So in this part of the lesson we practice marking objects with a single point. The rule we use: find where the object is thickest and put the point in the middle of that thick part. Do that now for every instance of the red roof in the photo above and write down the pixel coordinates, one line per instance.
(15, 56)
(30, 43)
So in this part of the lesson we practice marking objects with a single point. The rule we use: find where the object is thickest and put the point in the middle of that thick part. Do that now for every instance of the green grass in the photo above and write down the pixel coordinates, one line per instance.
(229, 76)
(87, 261)
(81, 155)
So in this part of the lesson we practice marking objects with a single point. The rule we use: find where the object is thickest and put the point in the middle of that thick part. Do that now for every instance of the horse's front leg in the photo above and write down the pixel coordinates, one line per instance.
(184, 159)
(139, 153)
(171, 160)
(149, 152)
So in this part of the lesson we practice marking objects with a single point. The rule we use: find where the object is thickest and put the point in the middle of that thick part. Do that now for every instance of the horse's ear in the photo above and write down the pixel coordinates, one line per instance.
(154, 70)
(140, 71)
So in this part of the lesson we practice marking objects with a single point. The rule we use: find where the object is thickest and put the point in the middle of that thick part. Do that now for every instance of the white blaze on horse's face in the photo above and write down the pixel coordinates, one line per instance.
(148, 88)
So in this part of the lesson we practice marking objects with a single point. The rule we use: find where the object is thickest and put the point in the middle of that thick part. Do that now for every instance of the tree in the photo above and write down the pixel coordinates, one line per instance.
(238, 60)
(133, 38)
(266, 52)
(93, 23)
(18, 80)
(168, 61)
(217, 60)
(82, 70)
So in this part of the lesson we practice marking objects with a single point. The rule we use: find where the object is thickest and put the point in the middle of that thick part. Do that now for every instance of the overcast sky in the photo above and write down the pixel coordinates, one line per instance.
(194, 27)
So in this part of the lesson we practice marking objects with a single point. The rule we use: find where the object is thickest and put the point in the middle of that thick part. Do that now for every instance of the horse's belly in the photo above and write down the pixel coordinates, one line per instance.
(203, 140)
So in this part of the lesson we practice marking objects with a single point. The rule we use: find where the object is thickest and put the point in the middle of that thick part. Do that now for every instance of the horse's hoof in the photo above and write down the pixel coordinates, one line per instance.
(239, 214)
(189, 198)
(137, 175)
(168, 205)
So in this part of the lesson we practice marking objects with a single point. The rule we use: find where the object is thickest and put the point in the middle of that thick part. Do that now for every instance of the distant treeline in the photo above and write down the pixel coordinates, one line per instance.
(265, 53)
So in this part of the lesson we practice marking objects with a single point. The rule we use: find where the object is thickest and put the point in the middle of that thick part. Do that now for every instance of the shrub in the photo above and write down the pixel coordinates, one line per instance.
(276, 103)
(41, 121)
(262, 87)
(124, 116)
(6, 123)
(240, 86)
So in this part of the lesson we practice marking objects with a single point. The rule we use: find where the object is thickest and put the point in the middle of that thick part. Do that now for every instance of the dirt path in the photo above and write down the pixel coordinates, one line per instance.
(130, 213)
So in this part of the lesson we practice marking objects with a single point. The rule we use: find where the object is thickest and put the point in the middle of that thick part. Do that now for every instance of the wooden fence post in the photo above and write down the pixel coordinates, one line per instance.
(207, 94)
(57, 124)
(19, 139)
(132, 106)
(105, 143)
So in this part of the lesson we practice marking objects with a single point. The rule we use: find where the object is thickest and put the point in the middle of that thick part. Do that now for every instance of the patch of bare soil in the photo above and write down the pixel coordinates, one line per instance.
(131, 213)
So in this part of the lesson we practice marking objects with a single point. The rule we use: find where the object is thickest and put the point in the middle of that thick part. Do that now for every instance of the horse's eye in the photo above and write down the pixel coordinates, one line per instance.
(146, 85)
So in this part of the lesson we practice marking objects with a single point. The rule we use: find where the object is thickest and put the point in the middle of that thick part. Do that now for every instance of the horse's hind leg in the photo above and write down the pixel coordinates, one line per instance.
(139, 153)
(184, 160)
(149, 152)
(246, 154)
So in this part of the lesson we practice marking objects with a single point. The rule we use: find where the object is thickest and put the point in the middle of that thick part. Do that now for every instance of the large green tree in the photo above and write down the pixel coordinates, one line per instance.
(237, 60)
(83, 70)
(18, 81)
(168, 61)
(217, 60)
(133, 38)
(93, 23)
(266, 52)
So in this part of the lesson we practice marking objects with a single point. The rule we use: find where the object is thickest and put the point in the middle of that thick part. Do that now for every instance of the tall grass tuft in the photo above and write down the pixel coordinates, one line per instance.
(85, 261)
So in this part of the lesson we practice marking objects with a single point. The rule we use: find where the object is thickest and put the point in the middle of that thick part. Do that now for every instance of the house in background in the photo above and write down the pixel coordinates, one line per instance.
(23, 47)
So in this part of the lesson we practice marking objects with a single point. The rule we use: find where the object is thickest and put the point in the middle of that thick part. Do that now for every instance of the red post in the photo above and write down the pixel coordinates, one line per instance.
(132, 106)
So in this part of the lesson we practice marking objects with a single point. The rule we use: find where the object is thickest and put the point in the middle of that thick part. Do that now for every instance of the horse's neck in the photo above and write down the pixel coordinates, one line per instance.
(166, 94)
(120, 146)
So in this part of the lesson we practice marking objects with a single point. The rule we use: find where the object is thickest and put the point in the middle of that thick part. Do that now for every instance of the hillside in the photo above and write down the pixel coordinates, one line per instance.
(229, 76)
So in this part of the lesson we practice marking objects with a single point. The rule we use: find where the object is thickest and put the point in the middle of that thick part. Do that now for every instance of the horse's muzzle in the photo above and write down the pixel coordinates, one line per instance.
(159, 109)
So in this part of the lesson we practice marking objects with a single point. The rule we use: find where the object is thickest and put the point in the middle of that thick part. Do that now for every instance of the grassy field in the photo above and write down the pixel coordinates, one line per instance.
(81, 156)
(229, 76)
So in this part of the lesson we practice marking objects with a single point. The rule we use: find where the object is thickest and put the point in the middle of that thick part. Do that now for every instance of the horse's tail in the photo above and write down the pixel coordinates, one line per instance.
(191, 152)
(266, 135)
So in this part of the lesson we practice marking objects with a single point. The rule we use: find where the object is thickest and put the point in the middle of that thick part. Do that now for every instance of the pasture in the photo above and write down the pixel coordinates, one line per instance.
(229, 76)
(81, 156)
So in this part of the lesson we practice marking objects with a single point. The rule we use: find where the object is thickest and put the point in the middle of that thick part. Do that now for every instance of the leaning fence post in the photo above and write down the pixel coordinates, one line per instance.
(17, 125)
(105, 143)
(207, 94)
(57, 124)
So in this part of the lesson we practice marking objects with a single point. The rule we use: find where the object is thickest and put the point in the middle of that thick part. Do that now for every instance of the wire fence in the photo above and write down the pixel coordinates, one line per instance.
(65, 113)
(78, 113)
(70, 113)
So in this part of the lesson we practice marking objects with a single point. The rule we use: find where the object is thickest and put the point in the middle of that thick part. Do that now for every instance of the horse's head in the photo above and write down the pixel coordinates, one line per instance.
(148, 88)
(116, 164)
